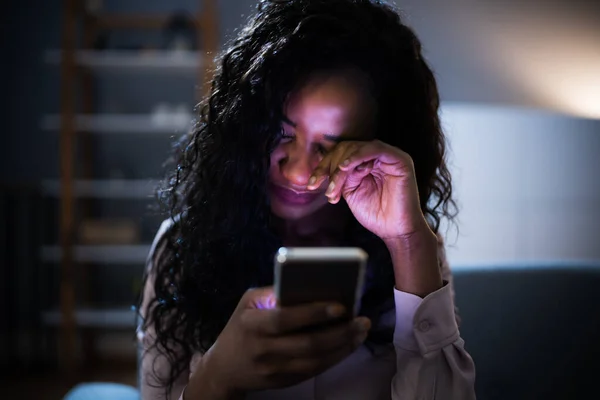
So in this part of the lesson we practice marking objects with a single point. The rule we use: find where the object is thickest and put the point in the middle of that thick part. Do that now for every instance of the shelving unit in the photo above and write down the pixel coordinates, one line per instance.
(118, 123)
(104, 189)
(78, 121)
(106, 318)
(106, 254)
(126, 61)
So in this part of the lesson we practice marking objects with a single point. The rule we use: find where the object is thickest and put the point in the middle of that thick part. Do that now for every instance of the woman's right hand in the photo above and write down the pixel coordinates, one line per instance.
(262, 348)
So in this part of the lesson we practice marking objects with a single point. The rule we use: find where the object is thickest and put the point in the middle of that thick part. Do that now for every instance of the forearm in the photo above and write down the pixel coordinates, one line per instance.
(416, 265)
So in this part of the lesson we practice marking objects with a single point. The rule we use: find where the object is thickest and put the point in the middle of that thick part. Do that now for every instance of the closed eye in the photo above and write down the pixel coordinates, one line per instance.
(286, 137)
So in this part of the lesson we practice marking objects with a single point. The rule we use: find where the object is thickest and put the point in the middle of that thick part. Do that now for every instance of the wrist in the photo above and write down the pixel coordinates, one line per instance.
(207, 383)
(421, 239)
(415, 260)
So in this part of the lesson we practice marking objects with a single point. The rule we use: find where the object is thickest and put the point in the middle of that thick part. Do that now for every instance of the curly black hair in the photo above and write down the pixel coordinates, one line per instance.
(222, 243)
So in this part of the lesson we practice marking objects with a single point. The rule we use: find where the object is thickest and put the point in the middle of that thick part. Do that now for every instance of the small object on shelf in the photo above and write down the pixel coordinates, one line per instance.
(161, 115)
(173, 116)
(182, 115)
(93, 7)
(180, 33)
(108, 231)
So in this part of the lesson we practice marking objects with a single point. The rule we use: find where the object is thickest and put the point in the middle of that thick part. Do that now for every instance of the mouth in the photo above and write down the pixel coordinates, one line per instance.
(293, 197)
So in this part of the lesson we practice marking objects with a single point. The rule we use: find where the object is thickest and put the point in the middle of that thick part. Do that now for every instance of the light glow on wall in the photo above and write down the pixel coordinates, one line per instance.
(558, 63)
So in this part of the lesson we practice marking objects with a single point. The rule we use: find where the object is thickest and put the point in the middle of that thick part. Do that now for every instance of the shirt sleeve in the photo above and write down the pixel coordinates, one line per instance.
(431, 361)
(154, 365)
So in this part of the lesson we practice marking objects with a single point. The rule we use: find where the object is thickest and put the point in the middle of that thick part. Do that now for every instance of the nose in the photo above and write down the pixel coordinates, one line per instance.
(297, 165)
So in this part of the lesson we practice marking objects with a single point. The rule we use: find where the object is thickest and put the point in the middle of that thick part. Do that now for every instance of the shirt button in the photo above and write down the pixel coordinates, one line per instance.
(424, 325)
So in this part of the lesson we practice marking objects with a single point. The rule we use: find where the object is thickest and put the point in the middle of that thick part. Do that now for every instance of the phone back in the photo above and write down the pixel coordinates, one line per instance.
(320, 274)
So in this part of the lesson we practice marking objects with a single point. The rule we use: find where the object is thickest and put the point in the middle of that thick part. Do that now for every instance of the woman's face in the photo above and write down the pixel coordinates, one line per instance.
(329, 108)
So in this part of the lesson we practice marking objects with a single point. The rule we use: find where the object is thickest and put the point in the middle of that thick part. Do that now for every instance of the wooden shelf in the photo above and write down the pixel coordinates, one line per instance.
(106, 189)
(125, 123)
(102, 254)
(123, 61)
(136, 21)
(107, 318)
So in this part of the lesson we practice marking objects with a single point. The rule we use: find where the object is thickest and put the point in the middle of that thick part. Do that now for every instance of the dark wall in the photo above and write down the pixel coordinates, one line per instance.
(27, 153)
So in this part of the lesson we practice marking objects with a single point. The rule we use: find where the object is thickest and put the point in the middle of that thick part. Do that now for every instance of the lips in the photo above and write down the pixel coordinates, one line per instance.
(292, 197)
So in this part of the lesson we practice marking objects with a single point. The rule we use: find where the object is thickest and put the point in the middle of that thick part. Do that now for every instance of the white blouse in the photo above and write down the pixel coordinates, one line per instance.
(427, 359)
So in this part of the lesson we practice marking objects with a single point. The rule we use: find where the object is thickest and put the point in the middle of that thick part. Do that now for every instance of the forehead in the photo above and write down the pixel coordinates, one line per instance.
(336, 99)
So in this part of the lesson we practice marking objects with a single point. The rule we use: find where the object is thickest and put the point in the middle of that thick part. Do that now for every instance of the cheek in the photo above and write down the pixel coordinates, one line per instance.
(277, 153)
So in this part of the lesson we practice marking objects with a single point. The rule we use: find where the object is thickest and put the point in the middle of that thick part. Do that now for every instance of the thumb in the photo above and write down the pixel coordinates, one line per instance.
(260, 298)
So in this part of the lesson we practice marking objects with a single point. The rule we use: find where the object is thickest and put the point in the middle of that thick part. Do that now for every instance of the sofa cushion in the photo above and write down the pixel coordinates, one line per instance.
(533, 329)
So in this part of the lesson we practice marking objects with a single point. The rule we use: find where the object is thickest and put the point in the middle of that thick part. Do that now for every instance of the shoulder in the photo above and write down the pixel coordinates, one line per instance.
(159, 245)
(167, 230)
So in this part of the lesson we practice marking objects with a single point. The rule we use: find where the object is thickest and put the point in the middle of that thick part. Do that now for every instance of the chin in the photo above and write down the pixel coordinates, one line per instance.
(292, 213)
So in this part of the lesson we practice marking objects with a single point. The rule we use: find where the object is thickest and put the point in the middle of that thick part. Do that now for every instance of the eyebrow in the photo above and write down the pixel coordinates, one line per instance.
(329, 137)
(334, 138)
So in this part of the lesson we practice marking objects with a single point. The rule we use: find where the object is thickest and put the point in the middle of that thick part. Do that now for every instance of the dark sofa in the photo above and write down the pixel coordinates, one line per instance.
(532, 329)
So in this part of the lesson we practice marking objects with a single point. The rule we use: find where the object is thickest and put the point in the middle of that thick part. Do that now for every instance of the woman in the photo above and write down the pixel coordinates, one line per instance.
(321, 129)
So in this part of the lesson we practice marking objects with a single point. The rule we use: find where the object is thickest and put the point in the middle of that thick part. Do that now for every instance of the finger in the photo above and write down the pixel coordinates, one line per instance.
(329, 164)
(374, 150)
(261, 298)
(336, 185)
(338, 178)
(317, 364)
(348, 152)
(325, 340)
(283, 320)
(317, 179)
(361, 171)
(320, 173)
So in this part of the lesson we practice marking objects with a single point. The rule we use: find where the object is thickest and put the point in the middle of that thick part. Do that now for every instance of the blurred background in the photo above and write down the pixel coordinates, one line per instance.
(96, 90)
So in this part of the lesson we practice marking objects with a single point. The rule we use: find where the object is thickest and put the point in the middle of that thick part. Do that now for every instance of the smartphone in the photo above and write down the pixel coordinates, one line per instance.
(309, 274)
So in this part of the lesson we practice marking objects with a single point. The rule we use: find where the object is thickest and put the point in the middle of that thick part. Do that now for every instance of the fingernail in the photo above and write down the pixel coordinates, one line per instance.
(361, 325)
(335, 310)
(312, 180)
(346, 162)
(330, 188)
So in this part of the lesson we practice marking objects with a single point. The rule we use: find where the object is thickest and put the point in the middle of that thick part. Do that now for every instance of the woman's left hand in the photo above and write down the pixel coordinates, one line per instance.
(379, 185)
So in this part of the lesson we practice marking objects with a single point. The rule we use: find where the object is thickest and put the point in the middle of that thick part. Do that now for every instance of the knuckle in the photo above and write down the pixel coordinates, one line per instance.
(354, 146)
(319, 170)
(309, 344)
(316, 364)
(277, 322)
(259, 353)
(245, 320)
(266, 370)
(335, 174)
